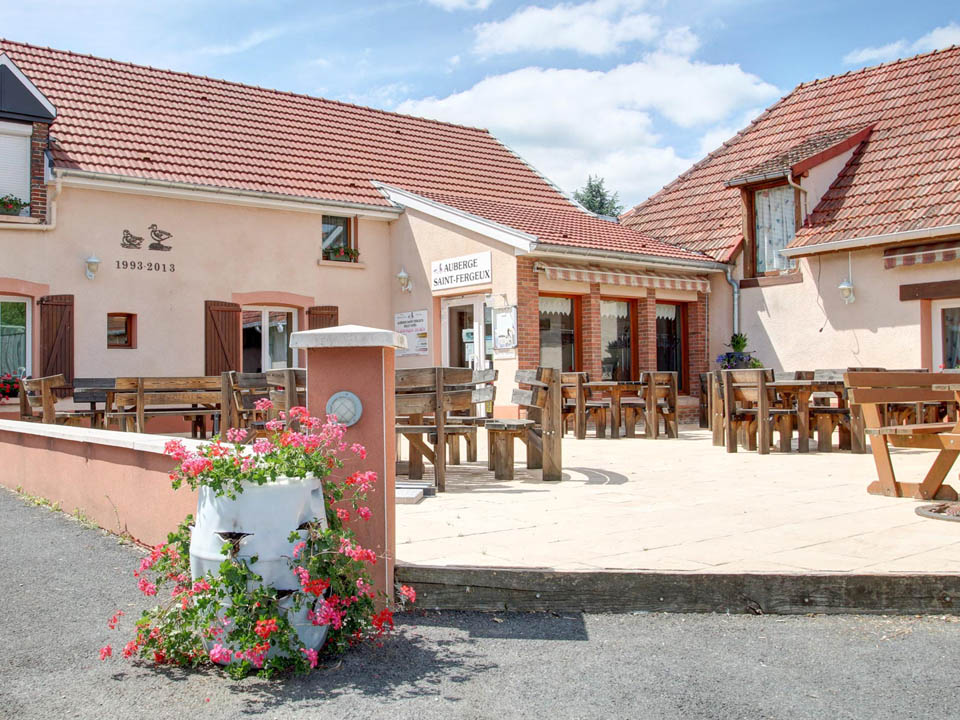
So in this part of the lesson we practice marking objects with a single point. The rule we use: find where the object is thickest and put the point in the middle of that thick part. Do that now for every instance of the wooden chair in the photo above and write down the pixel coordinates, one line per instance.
(573, 403)
(424, 398)
(655, 399)
(704, 401)
(873, 391)
(135, 399)
(240, 392)
(288, 389)
(596, 407)
(716, 407)
(825, 417)
(38, 393)
(749, 408)
(482, 384)
(541, 430)
(93, 391)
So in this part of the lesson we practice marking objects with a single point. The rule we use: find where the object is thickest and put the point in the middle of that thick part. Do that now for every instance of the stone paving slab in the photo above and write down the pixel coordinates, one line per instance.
(681, 505)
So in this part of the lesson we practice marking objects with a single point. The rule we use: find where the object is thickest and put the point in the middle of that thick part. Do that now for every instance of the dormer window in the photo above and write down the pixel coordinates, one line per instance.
(15, 165)
(774, 225)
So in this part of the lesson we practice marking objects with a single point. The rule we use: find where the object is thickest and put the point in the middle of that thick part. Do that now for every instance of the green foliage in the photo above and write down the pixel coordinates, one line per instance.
(596, 198)
(738, 342)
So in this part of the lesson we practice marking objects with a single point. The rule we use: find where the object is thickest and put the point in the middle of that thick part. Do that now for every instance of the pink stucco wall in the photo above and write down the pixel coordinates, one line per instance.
(122, 489)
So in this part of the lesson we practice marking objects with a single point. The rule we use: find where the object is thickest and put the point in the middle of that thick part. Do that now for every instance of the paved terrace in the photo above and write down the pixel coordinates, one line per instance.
(681, 505)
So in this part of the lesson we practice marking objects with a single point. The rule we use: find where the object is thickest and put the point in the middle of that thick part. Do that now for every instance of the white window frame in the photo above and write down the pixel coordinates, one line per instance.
(265, 311)
(12, 136)
(28, 352)
(936, 322)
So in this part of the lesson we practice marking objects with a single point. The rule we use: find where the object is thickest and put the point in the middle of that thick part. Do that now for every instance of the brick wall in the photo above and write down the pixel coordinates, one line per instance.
(592, 353)
(647, 332)
(697, 340)
(38, 188)
(528, 314)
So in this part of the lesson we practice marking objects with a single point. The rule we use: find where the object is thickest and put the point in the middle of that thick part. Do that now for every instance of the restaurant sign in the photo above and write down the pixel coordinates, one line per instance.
(455, 272)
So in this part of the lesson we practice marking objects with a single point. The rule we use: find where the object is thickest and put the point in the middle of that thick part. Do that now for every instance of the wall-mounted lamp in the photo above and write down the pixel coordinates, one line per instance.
(846, 287)
(404, 278)
(92, 264)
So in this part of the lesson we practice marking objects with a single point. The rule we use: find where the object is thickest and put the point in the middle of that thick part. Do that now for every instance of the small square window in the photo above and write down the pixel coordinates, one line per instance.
(338, 241)
(121, 330)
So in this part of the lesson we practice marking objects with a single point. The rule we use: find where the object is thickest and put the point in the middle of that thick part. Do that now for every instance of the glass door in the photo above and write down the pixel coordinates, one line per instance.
(465, 327)
(946, 334)
(14, 336)
(670, 332)
(266, 338)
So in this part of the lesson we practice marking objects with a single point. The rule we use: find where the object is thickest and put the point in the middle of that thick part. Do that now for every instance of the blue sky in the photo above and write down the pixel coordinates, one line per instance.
(633, 90)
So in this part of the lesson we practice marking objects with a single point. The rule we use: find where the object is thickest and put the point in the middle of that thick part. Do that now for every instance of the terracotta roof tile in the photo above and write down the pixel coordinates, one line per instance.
(122, 119)
(904, 176)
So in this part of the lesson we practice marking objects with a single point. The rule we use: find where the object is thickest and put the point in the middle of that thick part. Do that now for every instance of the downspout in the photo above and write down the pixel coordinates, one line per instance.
(736, 298)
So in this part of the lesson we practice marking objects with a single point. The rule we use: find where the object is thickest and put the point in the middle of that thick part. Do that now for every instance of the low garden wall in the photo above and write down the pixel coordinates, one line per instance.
(118, 480)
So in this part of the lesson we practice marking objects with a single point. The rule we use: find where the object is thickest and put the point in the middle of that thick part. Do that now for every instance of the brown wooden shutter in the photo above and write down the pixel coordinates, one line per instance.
(322, 316)
(56, 338)
(222, 341)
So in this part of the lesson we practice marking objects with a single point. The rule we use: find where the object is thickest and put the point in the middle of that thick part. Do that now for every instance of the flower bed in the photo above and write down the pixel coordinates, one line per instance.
(238, 614)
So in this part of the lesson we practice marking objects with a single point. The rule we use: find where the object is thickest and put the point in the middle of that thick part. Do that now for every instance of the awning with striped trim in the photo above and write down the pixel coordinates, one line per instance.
(921, 254)
(628, 278)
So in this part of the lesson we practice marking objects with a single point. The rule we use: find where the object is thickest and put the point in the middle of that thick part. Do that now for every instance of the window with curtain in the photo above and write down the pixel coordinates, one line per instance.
(775, 224)
(558, 343)
(615, 340)
(950, 319)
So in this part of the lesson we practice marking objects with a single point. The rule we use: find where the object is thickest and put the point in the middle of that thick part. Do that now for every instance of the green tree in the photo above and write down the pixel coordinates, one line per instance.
(596, 198)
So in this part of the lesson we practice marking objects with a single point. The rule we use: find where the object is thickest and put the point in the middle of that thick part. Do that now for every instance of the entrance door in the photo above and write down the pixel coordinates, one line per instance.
(670, 341)
(464, 329)
(266, 338)
(946, 334)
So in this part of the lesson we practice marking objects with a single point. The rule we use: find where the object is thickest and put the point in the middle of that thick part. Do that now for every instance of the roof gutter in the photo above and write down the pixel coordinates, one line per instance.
(872, 240)
(762, 177)
(565, 251)
(212, 193)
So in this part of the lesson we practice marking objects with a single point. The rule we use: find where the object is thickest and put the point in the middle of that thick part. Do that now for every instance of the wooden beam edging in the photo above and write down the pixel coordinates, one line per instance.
(543, 590)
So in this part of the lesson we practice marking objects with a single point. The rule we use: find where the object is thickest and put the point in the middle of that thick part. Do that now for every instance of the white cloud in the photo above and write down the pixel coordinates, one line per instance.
(936, 39)
(572, 122)
(258, 37)
(451, 5)
(600, 27)
(713, 138)
(680, 41)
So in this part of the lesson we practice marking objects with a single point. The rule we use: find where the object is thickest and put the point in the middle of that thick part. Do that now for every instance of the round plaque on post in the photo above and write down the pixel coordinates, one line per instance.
(346, 406)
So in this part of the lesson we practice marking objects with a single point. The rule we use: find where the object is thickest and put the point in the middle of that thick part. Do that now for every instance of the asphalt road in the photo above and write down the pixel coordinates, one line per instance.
(60, 581)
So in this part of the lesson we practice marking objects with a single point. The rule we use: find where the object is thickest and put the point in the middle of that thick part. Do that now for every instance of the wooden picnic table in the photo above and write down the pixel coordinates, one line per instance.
(615, 388)
(801, 390)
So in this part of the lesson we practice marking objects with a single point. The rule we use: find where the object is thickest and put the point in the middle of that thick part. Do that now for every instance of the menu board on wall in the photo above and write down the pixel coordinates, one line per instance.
(413, 326)
(505, 328)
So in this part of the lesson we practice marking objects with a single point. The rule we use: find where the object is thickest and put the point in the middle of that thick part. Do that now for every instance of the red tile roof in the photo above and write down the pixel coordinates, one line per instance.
(566, 226)
(904, 176)
(122, 119)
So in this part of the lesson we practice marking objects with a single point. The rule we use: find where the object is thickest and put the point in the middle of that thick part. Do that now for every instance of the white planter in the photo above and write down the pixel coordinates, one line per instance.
(263, 516)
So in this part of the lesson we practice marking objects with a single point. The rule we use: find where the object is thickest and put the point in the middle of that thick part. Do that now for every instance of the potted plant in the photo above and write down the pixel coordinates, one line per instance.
(12, 205)
(341, 253)
(739, 357)
(9, 387)
(270, 573)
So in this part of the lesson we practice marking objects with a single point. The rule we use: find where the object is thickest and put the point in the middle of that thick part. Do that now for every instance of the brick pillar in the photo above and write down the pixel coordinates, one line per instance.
(361, 360)
(528, 314)
(647, 331)
(38, 188)
(697, 324)
(592, 353)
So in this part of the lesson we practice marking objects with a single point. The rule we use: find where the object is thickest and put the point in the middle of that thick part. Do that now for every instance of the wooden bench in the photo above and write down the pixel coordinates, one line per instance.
(750, 410)
(483, 384)
(873, 391)
(655, 398)
(40, 394)
(540, 431)
(135, 399)
(424, 398)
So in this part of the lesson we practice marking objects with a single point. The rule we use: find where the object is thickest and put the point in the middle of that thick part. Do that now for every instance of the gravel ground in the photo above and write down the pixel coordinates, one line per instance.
(60, 581)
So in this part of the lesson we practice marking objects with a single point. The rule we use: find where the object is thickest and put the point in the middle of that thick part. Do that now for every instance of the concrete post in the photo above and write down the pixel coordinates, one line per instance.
(360, 360)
